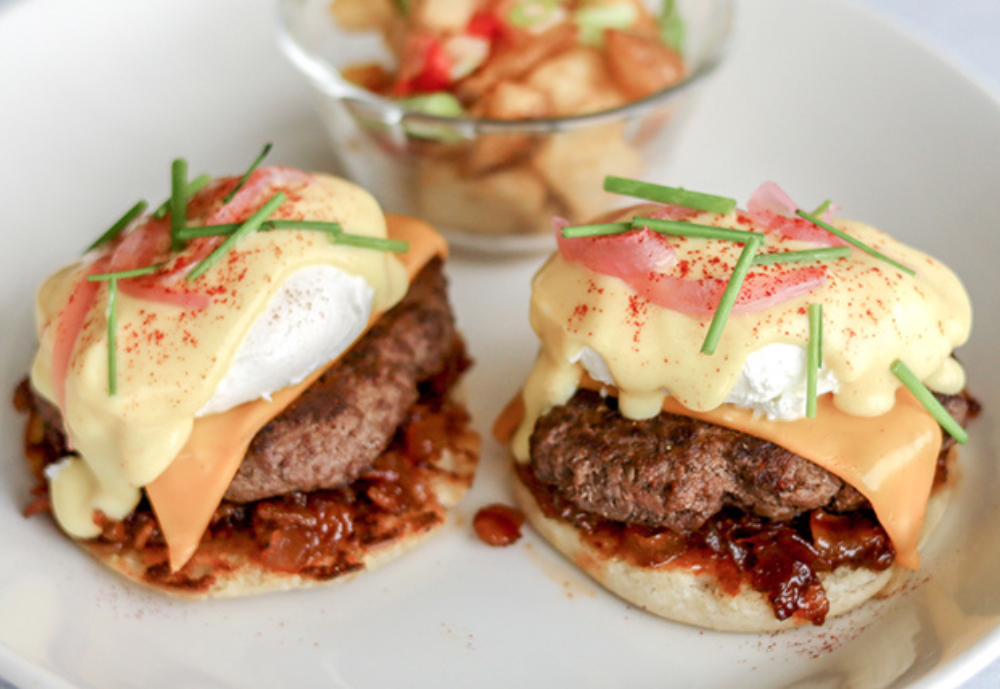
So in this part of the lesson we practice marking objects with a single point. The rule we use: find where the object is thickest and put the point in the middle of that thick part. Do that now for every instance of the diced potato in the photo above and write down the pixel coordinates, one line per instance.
(575, 163)
(511, 201)
(513, 101)
(492, 151)
(370, 76)
(362, 15)
(576, 81)
(641, 65)
(443, 16)
(508, 101)
(516, 61)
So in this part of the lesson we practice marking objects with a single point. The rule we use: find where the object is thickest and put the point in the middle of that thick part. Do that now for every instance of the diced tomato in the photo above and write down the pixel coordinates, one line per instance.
(622, 256)
(432, 71)
(486, 25)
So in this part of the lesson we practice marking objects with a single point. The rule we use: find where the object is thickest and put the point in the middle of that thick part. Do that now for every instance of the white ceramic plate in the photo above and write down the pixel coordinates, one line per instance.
(819, 96)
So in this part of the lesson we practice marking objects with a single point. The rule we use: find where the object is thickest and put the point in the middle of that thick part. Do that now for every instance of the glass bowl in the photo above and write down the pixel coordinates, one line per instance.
(433, 167)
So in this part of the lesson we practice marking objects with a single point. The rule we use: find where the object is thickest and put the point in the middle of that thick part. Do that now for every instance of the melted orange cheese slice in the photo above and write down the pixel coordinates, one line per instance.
(890, 459)
(185, 495)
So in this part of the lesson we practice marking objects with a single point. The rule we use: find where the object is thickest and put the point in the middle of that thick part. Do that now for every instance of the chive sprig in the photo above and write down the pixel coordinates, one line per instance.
(680, 228)
(246, 175)
(930, 403)
(729, 295)
(806, 255)
(247, 228)
(855, 242)
(123, 274)
(814, 357)
(112, 319)
(119, 226)
(178, 202)
(190, 189)
(673, 195)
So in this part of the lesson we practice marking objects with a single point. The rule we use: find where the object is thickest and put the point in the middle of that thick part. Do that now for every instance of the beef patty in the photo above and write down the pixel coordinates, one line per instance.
(338, 427)
(676, 472)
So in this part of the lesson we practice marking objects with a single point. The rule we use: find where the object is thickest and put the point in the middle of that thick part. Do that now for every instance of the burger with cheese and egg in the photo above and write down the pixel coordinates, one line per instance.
(250, 389)
(738, 419)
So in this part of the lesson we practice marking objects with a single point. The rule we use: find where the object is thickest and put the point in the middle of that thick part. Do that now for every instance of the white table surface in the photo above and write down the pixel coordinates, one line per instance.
(965, 33)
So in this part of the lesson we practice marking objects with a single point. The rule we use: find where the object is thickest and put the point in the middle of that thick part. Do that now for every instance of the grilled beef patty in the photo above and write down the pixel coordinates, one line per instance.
(676, 472)
(333, 433)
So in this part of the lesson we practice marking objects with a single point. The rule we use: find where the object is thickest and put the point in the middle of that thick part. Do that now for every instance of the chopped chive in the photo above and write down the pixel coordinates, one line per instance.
(122, 274)
(821, 208)
(196, 231)
(926, 398)
(249, 227)
(674, 195)
(827, 254)
(593, 20)
(851, 240)
(116, 229)
(112, 318)
(228, 228)
(178, 202)
(728, 298)
(246, 175)
(814, 357)
(192, 188)
(689, 229)
(596, 230)
(397, 246)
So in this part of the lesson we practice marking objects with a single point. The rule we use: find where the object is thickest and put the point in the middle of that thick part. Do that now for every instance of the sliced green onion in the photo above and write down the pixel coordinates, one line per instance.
(689, 229)
(827, 254)
(674, 195)
(112, 318)
(851, 240)
(192, 188)
(597, 229)
(246, 175)
(397, 246)
(440, 104)
(814, 357)
(120, 224)
(672, 31)
(821, 208)
(249, 227)
(592, 20)
(732, 291)
(178, 202)
(926, 398)
(403, 6)
(122, 274)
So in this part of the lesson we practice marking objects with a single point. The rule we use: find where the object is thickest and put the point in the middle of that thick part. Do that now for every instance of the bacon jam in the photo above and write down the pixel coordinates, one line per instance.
(498, 525)
(319, 535)
(781, 560)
